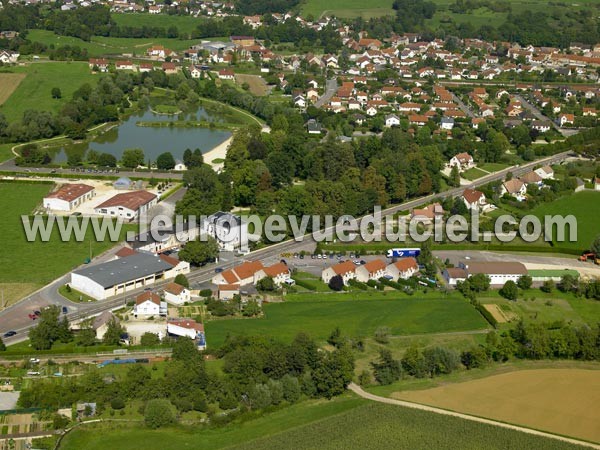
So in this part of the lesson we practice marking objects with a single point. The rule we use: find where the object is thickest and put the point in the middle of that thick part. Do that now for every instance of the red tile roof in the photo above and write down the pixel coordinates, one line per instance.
(174, 288)
(374, 266)
(276, 269)
(343, 267)
(186, 323)
(472, 195)
(405, 264)
(144, 296)
(125, 252)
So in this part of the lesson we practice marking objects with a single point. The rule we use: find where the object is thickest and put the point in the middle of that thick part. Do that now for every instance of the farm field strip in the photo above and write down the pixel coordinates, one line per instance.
(561, 401)
(8, 83)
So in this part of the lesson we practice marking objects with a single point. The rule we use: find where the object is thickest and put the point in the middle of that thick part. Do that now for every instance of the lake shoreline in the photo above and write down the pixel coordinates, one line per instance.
(217, 153)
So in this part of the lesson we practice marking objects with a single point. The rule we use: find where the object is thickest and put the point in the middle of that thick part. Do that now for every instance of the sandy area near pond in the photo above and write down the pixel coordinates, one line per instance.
(219, 152)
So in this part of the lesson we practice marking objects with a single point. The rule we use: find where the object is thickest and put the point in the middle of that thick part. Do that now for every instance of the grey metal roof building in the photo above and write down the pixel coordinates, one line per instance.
(122, 270)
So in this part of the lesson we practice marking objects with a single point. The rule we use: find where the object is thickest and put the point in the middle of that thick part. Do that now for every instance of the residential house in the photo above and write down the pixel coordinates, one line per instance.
(447, 123)
(8, 57)
(148, 304)
(195, 72)
(514, 187)
(427, 214)
(100, 63)
(226, 74)
(474, 200)
(169, 68)
(176, 294)
(241, 275)
(184, 327)
(545, 172)
(392, 120)
(227, 291)
(566, 119)
(531, 178)
(463, 161)
(597, 184)
(279, 272)
(124, 65)
(541, 125)
(403, 268)
(373, 270)
(100, 323)
(229, 230)
(346, 269)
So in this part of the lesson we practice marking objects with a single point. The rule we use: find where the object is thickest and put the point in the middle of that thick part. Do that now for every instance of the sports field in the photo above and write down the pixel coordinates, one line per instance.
(34, 263)
(34, 91)
(584, 206)
(8, 83)
(342, 423)
(562, 401)
(357, 314)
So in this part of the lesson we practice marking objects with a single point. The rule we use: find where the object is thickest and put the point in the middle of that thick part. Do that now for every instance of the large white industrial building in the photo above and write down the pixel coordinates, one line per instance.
(498, 272)
(121, 275)
(68, 197)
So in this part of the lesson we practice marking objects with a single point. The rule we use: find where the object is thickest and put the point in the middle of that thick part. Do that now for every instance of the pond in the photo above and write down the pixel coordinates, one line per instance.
(153, 140)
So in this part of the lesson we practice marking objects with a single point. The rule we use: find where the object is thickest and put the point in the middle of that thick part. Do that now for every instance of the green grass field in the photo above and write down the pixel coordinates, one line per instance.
(37, 262)
(356, 313)
(473, 174)
(584, 206)
(100, 45)
(5, 152)
(348, 8)
(34, 92)
(183, 23)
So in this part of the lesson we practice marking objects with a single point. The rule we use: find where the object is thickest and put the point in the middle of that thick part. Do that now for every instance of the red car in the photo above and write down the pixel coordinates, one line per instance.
(32, 316)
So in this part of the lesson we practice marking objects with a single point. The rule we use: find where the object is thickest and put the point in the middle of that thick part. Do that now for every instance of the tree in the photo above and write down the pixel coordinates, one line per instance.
(182, 280)
(56, 93)
(158, 413)
(63, 332)
(291, 388)
(386, 370)
(199, 253)
(524, 282)
(567, 283)
(266, 284)
(184, 349)
(333, 373)
(149, 339)
(336, 283)
(474, 358)
(47, 331)
(107, 160)
(454, 176)
(117, 403)
(86, 337)
(509, 291)
(335, 338)
(251, 308)
(132, 157)
(165, 161)
(547, 286)
(480, 282)
(260, 396)
(114, 331)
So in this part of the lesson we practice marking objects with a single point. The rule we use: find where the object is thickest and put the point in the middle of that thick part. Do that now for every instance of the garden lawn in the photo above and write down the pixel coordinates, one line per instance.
(34, 92)
(584, 206)
(473, 174)
(356, 313)
(37, 263)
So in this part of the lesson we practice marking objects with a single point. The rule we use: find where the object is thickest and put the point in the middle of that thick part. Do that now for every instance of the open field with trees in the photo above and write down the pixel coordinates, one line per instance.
(35, 91)
(37, 263)
(561, 401)
(356, 314)
(577, 204)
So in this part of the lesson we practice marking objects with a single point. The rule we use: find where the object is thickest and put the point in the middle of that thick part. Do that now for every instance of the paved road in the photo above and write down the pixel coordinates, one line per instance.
(468, 111)
(330, 89)
(391, 401)
(15, 317)
(537, 113)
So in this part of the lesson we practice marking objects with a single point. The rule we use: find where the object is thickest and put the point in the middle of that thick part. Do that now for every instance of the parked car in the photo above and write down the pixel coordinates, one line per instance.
(9, 333)
(32, 316)
(34, 360)
(218, 270)
(65, 310)
(37, 313)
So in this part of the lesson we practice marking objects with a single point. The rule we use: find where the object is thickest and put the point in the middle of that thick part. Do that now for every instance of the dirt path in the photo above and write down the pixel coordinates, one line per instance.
(390, 401)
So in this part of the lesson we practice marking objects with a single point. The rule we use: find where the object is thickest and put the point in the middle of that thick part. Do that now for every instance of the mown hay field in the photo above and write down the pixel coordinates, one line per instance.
(561, 401)
(8, 83)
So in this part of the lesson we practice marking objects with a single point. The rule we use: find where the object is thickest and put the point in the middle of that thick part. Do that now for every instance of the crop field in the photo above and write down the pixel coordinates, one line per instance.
(35, 263)
(34, 92)
(587, 217)
(357, 314)
(344, 422)
(257, 84)
(8, 83)
(562, 401)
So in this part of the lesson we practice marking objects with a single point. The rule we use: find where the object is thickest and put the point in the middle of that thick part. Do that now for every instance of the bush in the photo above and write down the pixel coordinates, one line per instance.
(336, 283)
(206, 293)
(117, 403)
(159, 413)
(382, 335)
(182, 280)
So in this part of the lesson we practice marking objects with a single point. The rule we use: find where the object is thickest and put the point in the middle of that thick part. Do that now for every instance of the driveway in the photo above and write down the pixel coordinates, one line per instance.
(330, 89)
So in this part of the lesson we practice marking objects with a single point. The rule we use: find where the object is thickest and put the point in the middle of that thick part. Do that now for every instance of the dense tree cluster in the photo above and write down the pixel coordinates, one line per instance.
(258, 372)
